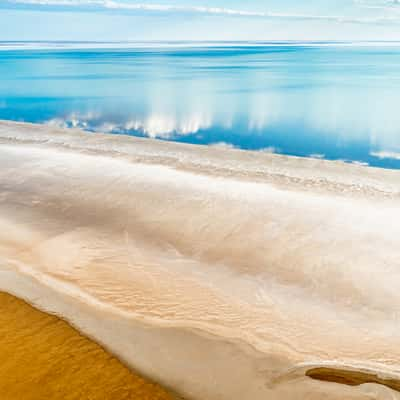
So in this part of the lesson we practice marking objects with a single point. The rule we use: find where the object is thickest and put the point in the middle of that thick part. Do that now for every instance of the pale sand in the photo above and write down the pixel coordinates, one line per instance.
(220, 273)
(42, 357)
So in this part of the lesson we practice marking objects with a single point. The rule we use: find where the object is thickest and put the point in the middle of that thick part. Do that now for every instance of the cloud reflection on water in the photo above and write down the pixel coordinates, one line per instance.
(333, 101)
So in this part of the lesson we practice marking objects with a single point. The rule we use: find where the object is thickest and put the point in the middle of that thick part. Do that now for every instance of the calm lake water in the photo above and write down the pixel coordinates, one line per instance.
(323, 100)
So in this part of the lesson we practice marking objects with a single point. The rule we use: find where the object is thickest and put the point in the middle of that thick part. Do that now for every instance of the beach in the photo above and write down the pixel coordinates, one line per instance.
(219, 273)
(43, 357)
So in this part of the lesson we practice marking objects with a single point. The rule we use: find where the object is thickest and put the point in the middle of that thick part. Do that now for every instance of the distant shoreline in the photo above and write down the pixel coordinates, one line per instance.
(194, 43)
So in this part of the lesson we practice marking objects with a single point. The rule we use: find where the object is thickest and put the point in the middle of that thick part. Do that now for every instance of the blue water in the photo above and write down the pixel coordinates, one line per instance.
(333, 101)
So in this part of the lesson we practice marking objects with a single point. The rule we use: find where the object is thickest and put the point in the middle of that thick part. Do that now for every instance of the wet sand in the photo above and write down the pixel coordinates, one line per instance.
(42, 357)
(220, 273)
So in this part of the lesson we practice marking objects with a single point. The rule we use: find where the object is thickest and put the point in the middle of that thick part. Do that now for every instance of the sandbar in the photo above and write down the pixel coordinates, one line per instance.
(221, 274)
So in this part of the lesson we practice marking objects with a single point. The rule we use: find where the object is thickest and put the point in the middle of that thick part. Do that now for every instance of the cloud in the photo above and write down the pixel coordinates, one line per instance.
(217, 11)
(269, 150)
(382, 3)
(223, 145)
(385, 155)
(385, 5)
(317, 155)
(166, 126)
(360, 163)
(154, 125)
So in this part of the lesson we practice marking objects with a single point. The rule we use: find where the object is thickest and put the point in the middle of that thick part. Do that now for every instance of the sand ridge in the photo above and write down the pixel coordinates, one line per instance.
(295, 259)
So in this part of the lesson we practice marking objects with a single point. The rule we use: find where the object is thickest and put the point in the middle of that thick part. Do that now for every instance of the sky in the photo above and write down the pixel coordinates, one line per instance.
(115, 20)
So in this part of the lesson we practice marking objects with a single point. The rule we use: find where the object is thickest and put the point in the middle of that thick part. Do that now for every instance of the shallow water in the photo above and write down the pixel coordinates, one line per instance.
(325, 100)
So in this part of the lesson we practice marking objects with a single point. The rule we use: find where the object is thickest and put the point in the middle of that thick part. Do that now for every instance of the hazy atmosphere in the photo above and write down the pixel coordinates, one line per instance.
(199, 20)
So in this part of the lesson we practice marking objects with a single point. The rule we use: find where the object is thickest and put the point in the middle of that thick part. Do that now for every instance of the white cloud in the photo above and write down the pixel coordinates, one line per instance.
(386, 155)
(155, 125)
(384, 5)
(74, 120)
(269, 150)
(166, 126)
(223, 145)
(121, 5)
(360, 163)
(317, 155)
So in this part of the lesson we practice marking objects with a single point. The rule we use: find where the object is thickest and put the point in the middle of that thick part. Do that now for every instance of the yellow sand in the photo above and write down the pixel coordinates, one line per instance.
(42, 357)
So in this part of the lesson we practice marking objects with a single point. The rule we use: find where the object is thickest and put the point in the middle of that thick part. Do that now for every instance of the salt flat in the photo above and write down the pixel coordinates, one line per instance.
(222, 274)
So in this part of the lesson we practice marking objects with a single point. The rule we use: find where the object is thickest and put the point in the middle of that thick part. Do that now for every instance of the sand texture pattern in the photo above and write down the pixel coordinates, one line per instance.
(42, 357)
(222, 274)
